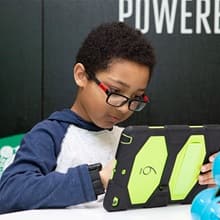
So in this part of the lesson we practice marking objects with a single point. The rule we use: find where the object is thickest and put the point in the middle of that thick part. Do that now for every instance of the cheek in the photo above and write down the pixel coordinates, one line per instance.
(95, 103)
(97, 106)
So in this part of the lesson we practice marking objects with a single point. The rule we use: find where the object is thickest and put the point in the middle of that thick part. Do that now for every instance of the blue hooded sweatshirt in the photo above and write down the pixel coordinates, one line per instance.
(31, 181)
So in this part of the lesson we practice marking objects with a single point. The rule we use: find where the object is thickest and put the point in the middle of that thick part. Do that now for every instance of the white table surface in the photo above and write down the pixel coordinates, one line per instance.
(171, 212)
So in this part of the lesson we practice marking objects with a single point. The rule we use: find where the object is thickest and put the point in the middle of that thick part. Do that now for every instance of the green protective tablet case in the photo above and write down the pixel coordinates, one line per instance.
(157, 166)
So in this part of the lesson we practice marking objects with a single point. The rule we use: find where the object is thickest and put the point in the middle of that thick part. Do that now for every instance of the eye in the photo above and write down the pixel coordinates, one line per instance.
(139, 97)
(114, 90)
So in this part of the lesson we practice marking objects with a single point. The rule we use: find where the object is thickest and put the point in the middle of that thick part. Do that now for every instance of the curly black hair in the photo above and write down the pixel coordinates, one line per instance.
(111, 41)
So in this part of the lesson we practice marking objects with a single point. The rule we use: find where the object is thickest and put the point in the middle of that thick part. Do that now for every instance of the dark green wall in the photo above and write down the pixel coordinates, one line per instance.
(20, 65)
(38, 43)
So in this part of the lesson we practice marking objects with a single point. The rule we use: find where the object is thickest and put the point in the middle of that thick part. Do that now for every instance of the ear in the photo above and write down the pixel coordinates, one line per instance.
(80, 75)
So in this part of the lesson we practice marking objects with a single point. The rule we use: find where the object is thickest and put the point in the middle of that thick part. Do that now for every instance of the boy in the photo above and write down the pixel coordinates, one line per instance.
(60, 160)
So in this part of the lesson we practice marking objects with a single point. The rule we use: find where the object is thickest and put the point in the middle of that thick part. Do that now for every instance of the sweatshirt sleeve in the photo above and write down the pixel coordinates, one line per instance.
(30, 182)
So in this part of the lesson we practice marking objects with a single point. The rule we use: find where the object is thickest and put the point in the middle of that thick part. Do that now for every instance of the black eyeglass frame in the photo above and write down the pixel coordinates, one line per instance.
(142, 103)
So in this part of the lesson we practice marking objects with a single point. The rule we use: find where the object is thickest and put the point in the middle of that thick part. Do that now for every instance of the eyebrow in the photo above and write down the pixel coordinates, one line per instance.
(125, 84)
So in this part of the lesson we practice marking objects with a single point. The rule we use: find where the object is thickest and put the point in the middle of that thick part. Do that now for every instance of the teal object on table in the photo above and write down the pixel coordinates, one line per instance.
(206, 205)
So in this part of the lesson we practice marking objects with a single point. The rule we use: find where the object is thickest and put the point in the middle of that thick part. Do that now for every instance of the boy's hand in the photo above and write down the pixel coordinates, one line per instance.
(206, 177)
(106, 173)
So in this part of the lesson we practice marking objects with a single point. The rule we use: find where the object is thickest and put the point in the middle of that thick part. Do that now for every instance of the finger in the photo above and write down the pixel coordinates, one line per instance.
(211, 185)
(212, 157)
(209, 182)
(206, 176)
(205, 179)
(206, 167)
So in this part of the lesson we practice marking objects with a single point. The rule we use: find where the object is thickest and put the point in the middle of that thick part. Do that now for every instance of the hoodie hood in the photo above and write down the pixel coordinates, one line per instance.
(70, 117)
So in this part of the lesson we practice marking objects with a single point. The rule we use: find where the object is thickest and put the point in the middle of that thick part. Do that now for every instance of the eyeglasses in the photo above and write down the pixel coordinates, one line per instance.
(117, 100)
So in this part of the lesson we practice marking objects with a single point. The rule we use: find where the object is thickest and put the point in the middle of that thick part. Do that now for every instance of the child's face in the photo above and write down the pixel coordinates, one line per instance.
(124, 77)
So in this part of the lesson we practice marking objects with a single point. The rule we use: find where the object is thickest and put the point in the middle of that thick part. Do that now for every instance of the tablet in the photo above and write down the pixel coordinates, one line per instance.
(158, 166)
